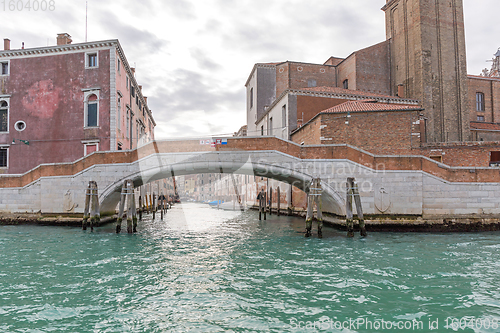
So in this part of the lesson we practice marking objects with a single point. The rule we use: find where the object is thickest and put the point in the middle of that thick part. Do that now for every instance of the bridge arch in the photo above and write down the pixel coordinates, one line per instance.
(333, 202)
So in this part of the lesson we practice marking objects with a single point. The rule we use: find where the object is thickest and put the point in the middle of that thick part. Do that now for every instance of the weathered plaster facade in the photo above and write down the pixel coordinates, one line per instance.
(68, 101)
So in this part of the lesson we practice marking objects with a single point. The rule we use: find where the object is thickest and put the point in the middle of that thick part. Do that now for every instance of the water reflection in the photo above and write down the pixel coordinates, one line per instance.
(202, 270)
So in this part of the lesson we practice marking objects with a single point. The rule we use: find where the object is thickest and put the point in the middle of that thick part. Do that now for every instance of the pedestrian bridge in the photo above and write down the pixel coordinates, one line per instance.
(409, 185)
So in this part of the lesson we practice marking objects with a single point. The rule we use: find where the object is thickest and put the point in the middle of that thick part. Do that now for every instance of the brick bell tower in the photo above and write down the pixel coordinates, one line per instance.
(427, 41)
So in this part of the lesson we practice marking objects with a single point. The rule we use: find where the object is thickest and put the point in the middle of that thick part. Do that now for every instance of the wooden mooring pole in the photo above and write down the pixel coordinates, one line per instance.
(91, 210)
(352, 191)
(140, 207)
(134, 208)
(279, 200)
(153, 206)
(314, 197)
(162, 205)
(86, 211)
(95, 217)
(262, 204)
(270, 200)
(121, 208)
(130, 190)
(128, 196)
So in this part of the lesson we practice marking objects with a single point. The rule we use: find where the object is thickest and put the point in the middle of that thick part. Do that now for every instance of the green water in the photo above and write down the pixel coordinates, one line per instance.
(205, 270)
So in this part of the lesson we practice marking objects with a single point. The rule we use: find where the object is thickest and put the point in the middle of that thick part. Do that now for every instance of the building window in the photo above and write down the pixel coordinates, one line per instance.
(91, 60)
(127, 124)
(437, 158)
(4, 116)
(251, 98)
(92, 111)
(120, 146)
(479, 101)
(118, 65)
(480, 118)
(495, 158)
(90, 148)
(4, 153)
(127, 83)
(283, 116)
(20, 126)
(262, 130)
(311, 83)
(137, 131)
(270, 126)
(119, 113)
(345, 84)
(4, 67)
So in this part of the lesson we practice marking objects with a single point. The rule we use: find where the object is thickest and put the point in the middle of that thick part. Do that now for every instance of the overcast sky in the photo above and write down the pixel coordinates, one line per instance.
(194, 56)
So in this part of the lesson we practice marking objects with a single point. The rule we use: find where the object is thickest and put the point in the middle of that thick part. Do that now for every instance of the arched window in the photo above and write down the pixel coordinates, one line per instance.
(479, 101)
(92, 111)
(4, 116)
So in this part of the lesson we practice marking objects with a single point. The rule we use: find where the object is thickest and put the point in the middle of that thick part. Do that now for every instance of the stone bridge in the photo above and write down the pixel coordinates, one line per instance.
(390, 185)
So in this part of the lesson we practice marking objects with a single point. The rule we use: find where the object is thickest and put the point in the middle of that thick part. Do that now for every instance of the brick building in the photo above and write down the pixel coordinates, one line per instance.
(60, 103)
(422, 62)
(359, 123)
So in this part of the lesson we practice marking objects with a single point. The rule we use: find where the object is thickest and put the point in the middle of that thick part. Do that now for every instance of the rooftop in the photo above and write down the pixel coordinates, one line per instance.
(476, 125)
(369, 105)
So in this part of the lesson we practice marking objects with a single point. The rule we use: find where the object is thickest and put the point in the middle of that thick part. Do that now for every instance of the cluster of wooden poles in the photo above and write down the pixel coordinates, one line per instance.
(152, 204)
(314, 199)
(263, 207)
(91, 212)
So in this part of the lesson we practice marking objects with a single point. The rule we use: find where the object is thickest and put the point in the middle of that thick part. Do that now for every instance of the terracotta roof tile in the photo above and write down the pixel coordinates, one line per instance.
(484, 126)
(337, 90)
(369, 105)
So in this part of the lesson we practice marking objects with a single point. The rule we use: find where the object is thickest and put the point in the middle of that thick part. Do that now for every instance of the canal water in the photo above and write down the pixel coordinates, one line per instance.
(208, 270)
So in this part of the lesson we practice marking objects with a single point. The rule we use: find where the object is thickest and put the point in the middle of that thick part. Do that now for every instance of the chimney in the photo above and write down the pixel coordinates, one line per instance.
(145, 100)
(140, 88)
(401, 91)
(133, 70)
(6, 44)
(63, 39)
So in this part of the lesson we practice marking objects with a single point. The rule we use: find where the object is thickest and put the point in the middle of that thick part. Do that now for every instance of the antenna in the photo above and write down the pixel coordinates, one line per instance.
(86, 19)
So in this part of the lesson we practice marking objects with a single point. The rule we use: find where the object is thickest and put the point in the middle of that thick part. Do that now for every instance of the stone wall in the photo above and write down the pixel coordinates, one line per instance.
(389, 185)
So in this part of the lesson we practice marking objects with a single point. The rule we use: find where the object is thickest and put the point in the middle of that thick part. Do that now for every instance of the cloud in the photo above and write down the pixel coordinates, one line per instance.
(186, 90)
(204, 62)
(128, 34)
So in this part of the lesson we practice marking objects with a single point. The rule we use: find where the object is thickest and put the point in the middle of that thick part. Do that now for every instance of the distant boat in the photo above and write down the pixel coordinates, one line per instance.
(215, 203)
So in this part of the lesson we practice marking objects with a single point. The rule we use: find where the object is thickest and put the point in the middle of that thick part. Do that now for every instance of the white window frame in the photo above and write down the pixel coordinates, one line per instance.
(127, 125)
(8, 67)
(86, 94)
(5, 147)
(119, 110)
(283, 116)
(87, 54)
(6, 99)
(87, 143)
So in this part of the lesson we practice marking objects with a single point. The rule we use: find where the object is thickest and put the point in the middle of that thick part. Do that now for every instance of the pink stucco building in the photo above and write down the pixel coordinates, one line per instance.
(60, 103)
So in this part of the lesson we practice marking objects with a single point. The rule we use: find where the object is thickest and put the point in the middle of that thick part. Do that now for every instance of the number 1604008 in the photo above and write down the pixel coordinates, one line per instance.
(27, 5)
